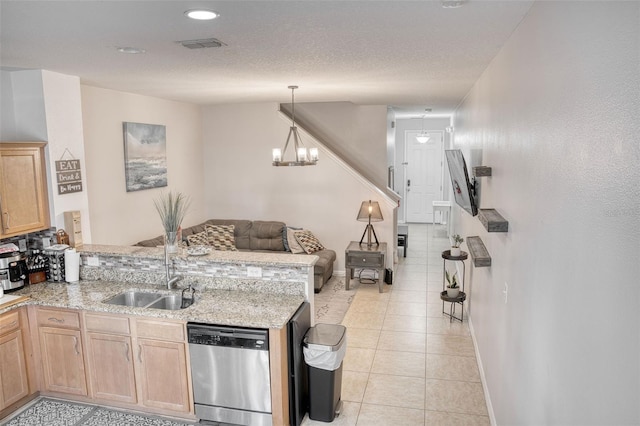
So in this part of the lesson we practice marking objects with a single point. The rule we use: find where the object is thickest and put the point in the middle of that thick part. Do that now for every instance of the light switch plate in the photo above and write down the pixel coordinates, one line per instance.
(22, 244)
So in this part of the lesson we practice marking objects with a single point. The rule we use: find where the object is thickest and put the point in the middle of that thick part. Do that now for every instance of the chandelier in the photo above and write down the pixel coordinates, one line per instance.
(423, 137)
(302, 156)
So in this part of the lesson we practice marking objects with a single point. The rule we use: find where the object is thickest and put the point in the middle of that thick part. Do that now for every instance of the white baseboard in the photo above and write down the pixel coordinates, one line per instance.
(483, 379)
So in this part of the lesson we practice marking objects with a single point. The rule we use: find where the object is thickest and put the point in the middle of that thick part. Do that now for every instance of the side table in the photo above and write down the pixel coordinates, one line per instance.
(360, 256)
(462, 296)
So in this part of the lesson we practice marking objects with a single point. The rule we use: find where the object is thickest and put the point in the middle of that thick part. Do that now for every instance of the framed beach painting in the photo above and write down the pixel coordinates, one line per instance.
(145, 156)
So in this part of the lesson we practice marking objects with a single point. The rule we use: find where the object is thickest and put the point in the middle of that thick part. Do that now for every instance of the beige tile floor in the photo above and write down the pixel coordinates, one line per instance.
(407, 364)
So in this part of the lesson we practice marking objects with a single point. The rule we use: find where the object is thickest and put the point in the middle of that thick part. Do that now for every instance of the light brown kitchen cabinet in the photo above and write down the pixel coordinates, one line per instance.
(162, 365)
(111, 367)
(61, 351)
(163, 375)
(139, 361)
(110, 358)
(24, 203)
(14, 381)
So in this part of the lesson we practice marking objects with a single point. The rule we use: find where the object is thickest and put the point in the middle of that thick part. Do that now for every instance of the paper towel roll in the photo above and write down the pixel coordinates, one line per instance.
(71, 265)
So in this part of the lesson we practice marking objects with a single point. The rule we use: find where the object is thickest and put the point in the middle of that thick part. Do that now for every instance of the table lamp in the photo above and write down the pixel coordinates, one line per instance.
(370, 212)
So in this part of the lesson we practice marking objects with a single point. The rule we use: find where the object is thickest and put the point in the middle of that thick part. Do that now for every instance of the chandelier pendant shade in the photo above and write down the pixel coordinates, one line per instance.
(303, 157)
(423, 137)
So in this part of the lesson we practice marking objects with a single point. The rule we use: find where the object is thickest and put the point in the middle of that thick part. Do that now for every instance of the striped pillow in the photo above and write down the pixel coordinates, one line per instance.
(221, 237)
(292, 242)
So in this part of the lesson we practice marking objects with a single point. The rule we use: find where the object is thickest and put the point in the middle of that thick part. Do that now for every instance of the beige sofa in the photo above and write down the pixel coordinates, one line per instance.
(260, 236)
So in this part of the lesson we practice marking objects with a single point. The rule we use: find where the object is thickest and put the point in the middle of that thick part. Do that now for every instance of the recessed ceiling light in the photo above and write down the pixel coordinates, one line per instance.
(202, 14)
(131, 50)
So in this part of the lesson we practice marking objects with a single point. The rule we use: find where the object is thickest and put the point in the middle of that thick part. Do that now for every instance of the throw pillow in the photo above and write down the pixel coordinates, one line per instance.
(285, 239)
(308, 241)
(294, 245)
(221, 237)
(199, 239)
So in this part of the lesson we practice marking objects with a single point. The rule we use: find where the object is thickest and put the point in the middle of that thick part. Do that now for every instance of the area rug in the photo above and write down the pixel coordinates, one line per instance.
(51, 412)
(333, 301)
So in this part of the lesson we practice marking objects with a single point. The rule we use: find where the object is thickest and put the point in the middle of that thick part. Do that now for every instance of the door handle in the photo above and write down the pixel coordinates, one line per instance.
(126, 351)
(139, 352)
(75, 344)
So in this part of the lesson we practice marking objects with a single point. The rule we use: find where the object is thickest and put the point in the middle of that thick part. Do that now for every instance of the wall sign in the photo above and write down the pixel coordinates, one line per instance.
(69, 176)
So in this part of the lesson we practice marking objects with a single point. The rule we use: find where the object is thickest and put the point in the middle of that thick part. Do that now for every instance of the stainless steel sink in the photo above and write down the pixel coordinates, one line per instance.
(133, 298)
(171, 303)
(141, 299)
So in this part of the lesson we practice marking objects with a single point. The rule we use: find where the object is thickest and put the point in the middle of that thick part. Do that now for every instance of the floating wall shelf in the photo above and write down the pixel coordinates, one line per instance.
(493, 221)
(481, 171)
(478, 252)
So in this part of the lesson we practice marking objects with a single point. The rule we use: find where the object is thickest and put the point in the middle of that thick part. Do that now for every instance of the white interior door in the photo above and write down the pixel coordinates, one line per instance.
(423, 175)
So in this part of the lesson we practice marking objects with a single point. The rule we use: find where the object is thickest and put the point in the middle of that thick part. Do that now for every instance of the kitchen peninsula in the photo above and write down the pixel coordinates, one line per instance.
(68, 327)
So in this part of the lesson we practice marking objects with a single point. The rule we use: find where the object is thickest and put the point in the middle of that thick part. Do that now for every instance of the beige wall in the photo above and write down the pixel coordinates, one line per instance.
(357, 133)
(40, 105)
(242, 184)
(556, 117)
(118, 216)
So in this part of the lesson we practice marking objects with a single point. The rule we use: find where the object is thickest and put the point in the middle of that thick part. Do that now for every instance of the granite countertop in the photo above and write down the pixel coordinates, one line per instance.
(253, 257)
(225, 307)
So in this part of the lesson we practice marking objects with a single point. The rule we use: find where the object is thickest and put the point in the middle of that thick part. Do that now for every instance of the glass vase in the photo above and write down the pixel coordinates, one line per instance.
(171, 242)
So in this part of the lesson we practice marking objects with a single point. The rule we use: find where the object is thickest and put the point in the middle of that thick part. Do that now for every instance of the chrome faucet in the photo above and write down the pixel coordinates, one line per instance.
(170, 281)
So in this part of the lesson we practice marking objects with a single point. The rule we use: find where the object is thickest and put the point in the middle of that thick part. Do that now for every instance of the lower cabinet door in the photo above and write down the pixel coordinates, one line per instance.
(63, 361)
(110, 360)
(14, 384)
(163, 374)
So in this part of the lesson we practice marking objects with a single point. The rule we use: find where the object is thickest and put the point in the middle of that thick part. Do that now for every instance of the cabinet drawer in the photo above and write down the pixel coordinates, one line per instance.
(365, 260)
(9, 322)
(115, 324)
(58, 318)
(160, 330)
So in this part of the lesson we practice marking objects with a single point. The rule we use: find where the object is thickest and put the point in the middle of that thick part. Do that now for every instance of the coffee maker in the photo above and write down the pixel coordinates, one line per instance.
(13, 271)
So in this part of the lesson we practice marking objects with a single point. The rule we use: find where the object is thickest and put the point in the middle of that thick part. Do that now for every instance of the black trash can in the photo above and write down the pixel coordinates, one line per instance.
(324, 348)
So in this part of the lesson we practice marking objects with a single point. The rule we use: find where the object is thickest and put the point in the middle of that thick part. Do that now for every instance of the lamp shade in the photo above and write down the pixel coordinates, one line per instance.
(370, 211)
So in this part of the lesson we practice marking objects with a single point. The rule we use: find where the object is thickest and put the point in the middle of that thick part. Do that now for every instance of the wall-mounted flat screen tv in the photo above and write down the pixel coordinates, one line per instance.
(464, 190)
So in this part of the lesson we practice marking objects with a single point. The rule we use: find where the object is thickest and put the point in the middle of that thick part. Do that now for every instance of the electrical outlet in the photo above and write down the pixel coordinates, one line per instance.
(22, 244)
(93, 261)
(46, 242)
(254, 272)
(506, 292)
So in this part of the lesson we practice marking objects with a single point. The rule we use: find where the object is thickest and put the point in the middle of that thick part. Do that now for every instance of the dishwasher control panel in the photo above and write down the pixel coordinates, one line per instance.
(233, 337)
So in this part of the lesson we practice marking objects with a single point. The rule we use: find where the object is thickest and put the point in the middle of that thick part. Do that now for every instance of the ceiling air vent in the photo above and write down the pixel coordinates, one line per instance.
(201, 43)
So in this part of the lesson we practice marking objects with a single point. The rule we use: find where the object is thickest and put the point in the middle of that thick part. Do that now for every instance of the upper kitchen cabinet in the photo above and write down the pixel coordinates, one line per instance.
(23, 188)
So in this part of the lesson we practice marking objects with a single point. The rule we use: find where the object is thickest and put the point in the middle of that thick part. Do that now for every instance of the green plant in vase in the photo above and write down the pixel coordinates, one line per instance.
(452, 287)
(455, 246)
(172, 209)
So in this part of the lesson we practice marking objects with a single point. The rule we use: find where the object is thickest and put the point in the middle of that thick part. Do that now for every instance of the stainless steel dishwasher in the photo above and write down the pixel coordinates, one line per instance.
(230, 374)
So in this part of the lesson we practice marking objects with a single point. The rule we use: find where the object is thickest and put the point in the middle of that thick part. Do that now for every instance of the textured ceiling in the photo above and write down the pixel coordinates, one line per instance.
(405, 54)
